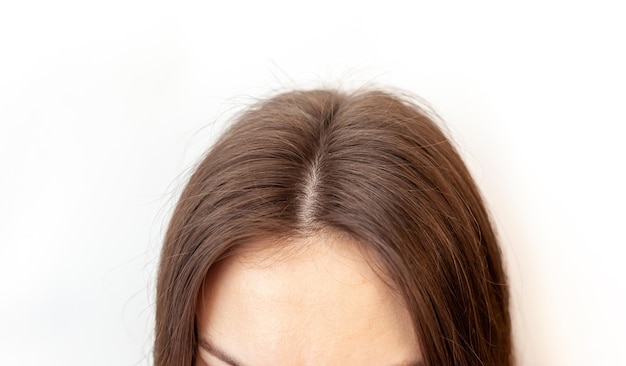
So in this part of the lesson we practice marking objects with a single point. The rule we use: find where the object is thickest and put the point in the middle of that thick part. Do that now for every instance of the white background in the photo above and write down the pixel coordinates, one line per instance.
(105, 106)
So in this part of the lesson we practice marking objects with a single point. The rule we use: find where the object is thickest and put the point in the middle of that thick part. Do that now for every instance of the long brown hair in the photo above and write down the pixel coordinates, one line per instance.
(371, 164)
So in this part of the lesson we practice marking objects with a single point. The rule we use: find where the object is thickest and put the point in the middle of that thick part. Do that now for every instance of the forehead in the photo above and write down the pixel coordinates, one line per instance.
(323, 304)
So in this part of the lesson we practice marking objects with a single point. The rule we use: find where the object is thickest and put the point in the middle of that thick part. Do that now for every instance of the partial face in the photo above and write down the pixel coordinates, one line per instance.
(321, 306)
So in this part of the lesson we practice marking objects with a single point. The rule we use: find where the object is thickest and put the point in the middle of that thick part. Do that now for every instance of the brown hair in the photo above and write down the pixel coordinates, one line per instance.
(370, 164)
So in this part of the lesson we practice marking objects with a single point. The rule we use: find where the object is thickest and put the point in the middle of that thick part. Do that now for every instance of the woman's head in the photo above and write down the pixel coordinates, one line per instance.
(366, 179)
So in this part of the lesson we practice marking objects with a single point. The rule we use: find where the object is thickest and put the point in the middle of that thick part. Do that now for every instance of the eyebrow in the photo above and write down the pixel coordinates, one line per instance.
(230, 360)
(218, 353)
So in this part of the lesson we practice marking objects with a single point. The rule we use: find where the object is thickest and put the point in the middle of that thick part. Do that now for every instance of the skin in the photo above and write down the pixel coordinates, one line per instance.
(320, 305)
